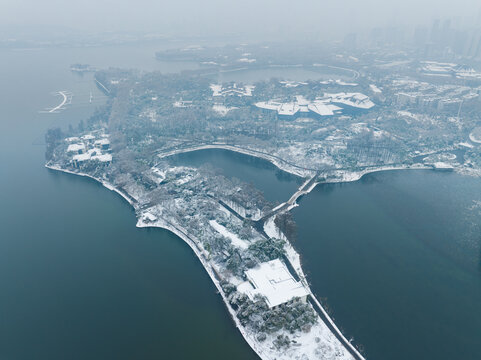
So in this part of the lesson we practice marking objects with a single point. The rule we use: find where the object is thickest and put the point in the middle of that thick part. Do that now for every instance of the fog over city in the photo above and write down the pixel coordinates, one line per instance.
(267, 19)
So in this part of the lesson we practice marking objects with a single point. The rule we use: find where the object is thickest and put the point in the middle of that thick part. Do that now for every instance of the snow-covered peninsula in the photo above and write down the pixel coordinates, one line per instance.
(316, 131)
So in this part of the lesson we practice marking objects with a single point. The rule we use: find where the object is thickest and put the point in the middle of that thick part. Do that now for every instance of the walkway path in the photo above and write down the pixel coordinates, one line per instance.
(58, 107)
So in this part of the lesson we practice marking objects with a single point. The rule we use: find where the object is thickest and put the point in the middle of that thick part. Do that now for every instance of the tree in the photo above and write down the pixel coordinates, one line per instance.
(267, 249)
(287, 225)
(52, 140)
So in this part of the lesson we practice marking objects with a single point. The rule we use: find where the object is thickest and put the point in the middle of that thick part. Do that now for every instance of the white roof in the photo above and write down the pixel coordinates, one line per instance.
(375, 89)
(102, 157)
(103, 141)
(147, 216)
(273, 281)
(81, 157)
(72, 139)
(289, 109)
(75, 147)
(357, 100)
(301, 100)
(321, 109)
(268, 105)
(220, 90)
(88, 137)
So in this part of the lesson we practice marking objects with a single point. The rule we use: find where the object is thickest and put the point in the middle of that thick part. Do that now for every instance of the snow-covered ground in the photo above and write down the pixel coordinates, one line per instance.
(475, 136)
(222, 109)
(236, 240)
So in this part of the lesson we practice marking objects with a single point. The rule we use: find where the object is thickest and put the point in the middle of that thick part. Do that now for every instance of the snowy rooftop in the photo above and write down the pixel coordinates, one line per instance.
(72, 139)
(289, 84)
(375, 89)
(81, 157)
(103, 141)
(356, 100)
(75, 147)
(268, 105)
(102, 157)
(273, 281)
(322, 107)
(289, 109)
(220, 90)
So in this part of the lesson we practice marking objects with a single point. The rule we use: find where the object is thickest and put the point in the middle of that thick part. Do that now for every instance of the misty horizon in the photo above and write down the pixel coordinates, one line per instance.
(268, 20)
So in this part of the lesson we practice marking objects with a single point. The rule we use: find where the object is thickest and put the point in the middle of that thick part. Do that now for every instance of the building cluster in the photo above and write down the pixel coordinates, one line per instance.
(219, 90)
(326, 105)
(438, 69)
(427, 96)
(272, 281)
(89, 147)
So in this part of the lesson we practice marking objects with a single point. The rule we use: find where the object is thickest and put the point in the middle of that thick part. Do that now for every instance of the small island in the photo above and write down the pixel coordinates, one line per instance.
(82, 68)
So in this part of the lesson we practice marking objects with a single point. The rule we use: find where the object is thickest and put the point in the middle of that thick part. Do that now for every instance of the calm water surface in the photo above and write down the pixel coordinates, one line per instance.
(397, 258)
(276, 185)
(77, 279)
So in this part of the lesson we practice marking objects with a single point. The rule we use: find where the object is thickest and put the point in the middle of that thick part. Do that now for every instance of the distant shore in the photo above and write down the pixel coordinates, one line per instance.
(288, 167)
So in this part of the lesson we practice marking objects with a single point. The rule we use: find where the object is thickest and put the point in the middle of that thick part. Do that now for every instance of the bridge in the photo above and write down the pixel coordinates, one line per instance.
(304, 189)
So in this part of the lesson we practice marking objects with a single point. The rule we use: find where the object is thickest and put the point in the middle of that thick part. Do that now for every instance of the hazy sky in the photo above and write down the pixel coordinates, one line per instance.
(242, 17)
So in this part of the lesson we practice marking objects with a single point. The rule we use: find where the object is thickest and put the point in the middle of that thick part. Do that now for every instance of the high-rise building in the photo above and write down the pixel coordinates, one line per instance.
(421, 34)
(435, 31)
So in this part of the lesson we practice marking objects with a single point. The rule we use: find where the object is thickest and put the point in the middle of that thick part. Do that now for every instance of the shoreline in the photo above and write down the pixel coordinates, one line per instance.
(293, 257)
(287, 167)
(162, 224)
(274, 160)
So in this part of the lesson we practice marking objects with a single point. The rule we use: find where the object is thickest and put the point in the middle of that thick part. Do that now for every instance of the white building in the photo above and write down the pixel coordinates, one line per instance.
(234, 90)
(328, 105)
(103, 143)
(80, 159)
(76, 148)
(274, 282)
(353, 100)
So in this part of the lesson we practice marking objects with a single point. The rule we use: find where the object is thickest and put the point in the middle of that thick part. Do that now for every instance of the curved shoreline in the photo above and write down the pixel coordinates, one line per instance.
(275, 160)
(287, 166)
(162, 224)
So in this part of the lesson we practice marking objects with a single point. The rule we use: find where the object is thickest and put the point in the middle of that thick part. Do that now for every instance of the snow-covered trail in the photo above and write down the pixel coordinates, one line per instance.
(64, 101)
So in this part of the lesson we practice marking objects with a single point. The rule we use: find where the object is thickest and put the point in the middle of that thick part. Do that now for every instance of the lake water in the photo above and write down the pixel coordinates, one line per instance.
(396, 255)
(291, 73)
(276, 185)
(77, 279)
